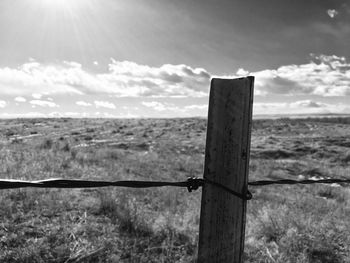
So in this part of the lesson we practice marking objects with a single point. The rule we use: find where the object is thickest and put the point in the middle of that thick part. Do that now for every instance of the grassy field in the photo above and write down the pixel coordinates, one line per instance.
(284, 223)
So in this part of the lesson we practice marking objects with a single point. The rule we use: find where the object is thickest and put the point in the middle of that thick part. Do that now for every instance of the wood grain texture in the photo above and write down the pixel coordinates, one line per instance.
(222, 222)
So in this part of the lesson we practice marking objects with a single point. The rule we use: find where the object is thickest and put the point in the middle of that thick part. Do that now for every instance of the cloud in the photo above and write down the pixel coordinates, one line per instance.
(169, 109)
(155, 105)
(3, 104)
(23, 115)
(20, 99)
(43, 103)
(37, 96)
(332, 13)
(308, 104)
(123, 78)
(35, 78)
(83, 103)
(56, 114)
(164, 107)
(104, 104)
(132, 79)
(159, 106)
(242, 72)
(323, 76)
(197, 107)
(299, 107)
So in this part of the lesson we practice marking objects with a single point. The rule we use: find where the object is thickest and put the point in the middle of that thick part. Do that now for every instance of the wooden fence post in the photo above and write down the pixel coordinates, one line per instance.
(222, 218)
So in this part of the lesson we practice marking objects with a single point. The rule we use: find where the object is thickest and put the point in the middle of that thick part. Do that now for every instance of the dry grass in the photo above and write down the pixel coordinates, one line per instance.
(284, 223)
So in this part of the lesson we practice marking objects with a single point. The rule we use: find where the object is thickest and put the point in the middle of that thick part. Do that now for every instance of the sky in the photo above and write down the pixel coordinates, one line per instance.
(155, 58)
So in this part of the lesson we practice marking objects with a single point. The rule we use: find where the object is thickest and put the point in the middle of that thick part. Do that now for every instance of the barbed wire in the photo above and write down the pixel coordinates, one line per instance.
(191, 184)
(246, 196)
(73, 183)
(307, 181)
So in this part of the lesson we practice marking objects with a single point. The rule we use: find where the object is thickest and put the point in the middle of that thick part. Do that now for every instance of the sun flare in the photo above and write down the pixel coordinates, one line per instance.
(60, 3)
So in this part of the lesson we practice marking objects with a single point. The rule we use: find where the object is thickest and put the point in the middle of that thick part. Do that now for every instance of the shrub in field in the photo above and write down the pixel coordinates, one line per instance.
(346, 159)
(46, 144)
(9, 133)
(123, 211)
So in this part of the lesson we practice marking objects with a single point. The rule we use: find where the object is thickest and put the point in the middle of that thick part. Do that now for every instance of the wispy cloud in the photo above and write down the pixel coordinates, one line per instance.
(158, 106)
(20, 99)
(308, 104)
(197, 107)
(43, 103)
(56, 114)
(83, 103)
(332, 13)
(23, 115)
(3, 104)
(171, 108)
(104, 104)
(37, 96)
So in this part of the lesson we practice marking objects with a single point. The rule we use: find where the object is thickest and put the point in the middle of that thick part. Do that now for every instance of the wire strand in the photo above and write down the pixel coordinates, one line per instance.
(63, 183)
(291, 182)
(191, 184)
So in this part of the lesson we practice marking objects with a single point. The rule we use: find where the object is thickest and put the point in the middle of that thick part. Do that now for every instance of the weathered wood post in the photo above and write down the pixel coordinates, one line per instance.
(222, 218)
